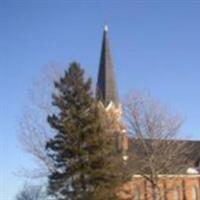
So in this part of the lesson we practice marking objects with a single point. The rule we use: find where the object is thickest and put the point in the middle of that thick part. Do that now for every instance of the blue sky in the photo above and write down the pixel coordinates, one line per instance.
(155, 47)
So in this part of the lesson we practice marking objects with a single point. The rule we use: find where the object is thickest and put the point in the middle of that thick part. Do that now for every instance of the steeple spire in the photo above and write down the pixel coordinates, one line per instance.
(106, 90)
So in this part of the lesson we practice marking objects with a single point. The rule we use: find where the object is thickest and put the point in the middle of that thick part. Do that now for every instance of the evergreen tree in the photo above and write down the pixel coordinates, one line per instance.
(83, 150)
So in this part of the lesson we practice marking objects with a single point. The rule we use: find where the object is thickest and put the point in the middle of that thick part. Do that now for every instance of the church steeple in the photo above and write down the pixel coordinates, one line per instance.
(106, 90)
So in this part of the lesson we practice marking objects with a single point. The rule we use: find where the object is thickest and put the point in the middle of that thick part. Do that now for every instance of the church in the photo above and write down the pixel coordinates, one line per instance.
(182, 184)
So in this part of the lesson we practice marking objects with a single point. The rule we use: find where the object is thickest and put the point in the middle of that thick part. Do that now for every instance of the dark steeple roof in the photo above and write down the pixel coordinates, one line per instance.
(106, 90)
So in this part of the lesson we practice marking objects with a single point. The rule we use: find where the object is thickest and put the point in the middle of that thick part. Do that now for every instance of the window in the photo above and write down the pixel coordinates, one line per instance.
(136, 195)
(195, 194)
(177, 193)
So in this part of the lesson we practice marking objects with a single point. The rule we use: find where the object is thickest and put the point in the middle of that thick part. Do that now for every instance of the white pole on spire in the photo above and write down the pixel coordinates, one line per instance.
(106, 28)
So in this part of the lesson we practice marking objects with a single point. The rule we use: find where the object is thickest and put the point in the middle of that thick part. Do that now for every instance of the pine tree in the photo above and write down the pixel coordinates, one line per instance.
(83, 150)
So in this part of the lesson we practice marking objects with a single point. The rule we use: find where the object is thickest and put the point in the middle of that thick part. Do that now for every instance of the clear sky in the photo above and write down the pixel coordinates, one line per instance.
(155, 46)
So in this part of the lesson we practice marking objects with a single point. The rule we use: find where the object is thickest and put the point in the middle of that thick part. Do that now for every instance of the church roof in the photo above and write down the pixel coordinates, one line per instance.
(186, 152)
(106, 90)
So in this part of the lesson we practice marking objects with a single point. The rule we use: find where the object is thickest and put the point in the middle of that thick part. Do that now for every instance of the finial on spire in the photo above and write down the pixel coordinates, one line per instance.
(106, 28)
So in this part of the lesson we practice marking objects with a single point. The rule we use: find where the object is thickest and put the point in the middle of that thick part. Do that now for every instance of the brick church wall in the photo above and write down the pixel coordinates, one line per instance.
(170, 187)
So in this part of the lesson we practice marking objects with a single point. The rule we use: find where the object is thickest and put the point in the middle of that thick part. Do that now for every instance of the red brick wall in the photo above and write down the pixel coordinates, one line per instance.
(182, 185)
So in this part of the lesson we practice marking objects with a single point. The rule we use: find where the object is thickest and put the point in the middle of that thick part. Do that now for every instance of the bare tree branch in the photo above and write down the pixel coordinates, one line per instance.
(33, 126)
(154, 131)
(31, 192)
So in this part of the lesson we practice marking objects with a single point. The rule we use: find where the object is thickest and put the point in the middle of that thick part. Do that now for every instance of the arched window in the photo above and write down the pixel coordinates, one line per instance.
(177, 193)
(136, 194)
(195, 194)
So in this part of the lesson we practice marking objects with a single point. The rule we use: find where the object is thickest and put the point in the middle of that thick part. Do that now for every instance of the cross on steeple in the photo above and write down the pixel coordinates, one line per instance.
(106, 90)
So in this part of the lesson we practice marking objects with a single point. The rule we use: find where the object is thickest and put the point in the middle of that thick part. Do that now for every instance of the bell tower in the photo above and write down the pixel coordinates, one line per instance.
(107, 95)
